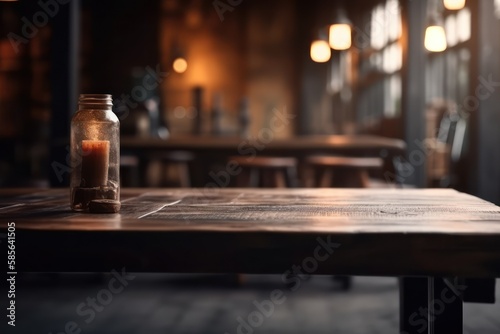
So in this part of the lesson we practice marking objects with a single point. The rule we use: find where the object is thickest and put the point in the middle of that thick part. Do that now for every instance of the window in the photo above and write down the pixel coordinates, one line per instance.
(380, 63)
(447, 73)
(463, 25)
(458, 27)
(385, 24)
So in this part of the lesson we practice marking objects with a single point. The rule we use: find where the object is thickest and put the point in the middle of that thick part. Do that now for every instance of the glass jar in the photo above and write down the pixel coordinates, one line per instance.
(95, 152)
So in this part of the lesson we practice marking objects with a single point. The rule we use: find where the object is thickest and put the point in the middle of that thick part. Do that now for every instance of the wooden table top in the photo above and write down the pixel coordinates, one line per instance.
(203, 142)
(386, 232)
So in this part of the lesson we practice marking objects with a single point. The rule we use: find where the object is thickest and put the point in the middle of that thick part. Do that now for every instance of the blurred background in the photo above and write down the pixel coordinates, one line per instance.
(426, 72)
(246, 59)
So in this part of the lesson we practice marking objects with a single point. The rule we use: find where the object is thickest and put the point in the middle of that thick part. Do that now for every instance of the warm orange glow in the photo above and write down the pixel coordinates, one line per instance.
(320, 51)
(340, 36)
(180, 65)
(435, 39)
(95, 162)
(454, 4)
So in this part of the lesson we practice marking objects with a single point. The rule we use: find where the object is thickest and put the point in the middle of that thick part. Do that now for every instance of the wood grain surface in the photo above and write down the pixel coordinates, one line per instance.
(386, 232)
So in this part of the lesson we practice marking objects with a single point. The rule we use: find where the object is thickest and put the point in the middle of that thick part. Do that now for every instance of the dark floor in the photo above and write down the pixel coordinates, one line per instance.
(213, 304)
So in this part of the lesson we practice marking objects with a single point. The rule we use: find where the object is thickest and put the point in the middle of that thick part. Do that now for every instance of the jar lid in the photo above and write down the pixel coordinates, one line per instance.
(96, 100)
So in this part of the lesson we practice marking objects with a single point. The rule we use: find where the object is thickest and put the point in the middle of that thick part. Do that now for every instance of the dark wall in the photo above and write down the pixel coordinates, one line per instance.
(118, 36)
(313, 99)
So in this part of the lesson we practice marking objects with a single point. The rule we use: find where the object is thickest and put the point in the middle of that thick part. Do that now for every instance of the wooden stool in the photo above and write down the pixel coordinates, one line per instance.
(267, 172)
(179, 160)
(342, 172)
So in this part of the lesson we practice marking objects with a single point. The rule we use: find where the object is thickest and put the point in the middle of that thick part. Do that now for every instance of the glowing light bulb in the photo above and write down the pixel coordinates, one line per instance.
(180, 65)
(320, 51)
(454, 4)
(435, 39)
(340, 36)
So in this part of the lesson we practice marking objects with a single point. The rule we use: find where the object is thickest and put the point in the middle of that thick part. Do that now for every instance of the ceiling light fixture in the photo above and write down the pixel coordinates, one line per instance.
(454, 4)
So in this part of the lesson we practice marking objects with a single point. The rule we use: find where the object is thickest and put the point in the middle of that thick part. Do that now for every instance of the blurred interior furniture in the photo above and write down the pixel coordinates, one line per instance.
(327, 144)
(341, 172)
(444, 144)
(215, 150)
(266, 172)
(129, 171)
(372, 232)
(172, 169)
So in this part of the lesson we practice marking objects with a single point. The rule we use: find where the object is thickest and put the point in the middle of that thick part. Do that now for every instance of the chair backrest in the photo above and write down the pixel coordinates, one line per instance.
(449, 143)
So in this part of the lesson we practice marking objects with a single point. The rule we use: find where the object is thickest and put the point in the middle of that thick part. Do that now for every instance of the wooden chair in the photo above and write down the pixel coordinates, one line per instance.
(266, 172)
(340, 172)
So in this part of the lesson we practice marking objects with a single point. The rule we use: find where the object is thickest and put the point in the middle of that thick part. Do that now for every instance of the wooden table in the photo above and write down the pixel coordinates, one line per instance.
(212, 150)
(430, 236)
(332, 143)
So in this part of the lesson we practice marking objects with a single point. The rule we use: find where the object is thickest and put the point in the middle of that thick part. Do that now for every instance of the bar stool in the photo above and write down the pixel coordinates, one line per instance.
(266, 172)
(176, 161)
(341, 172)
